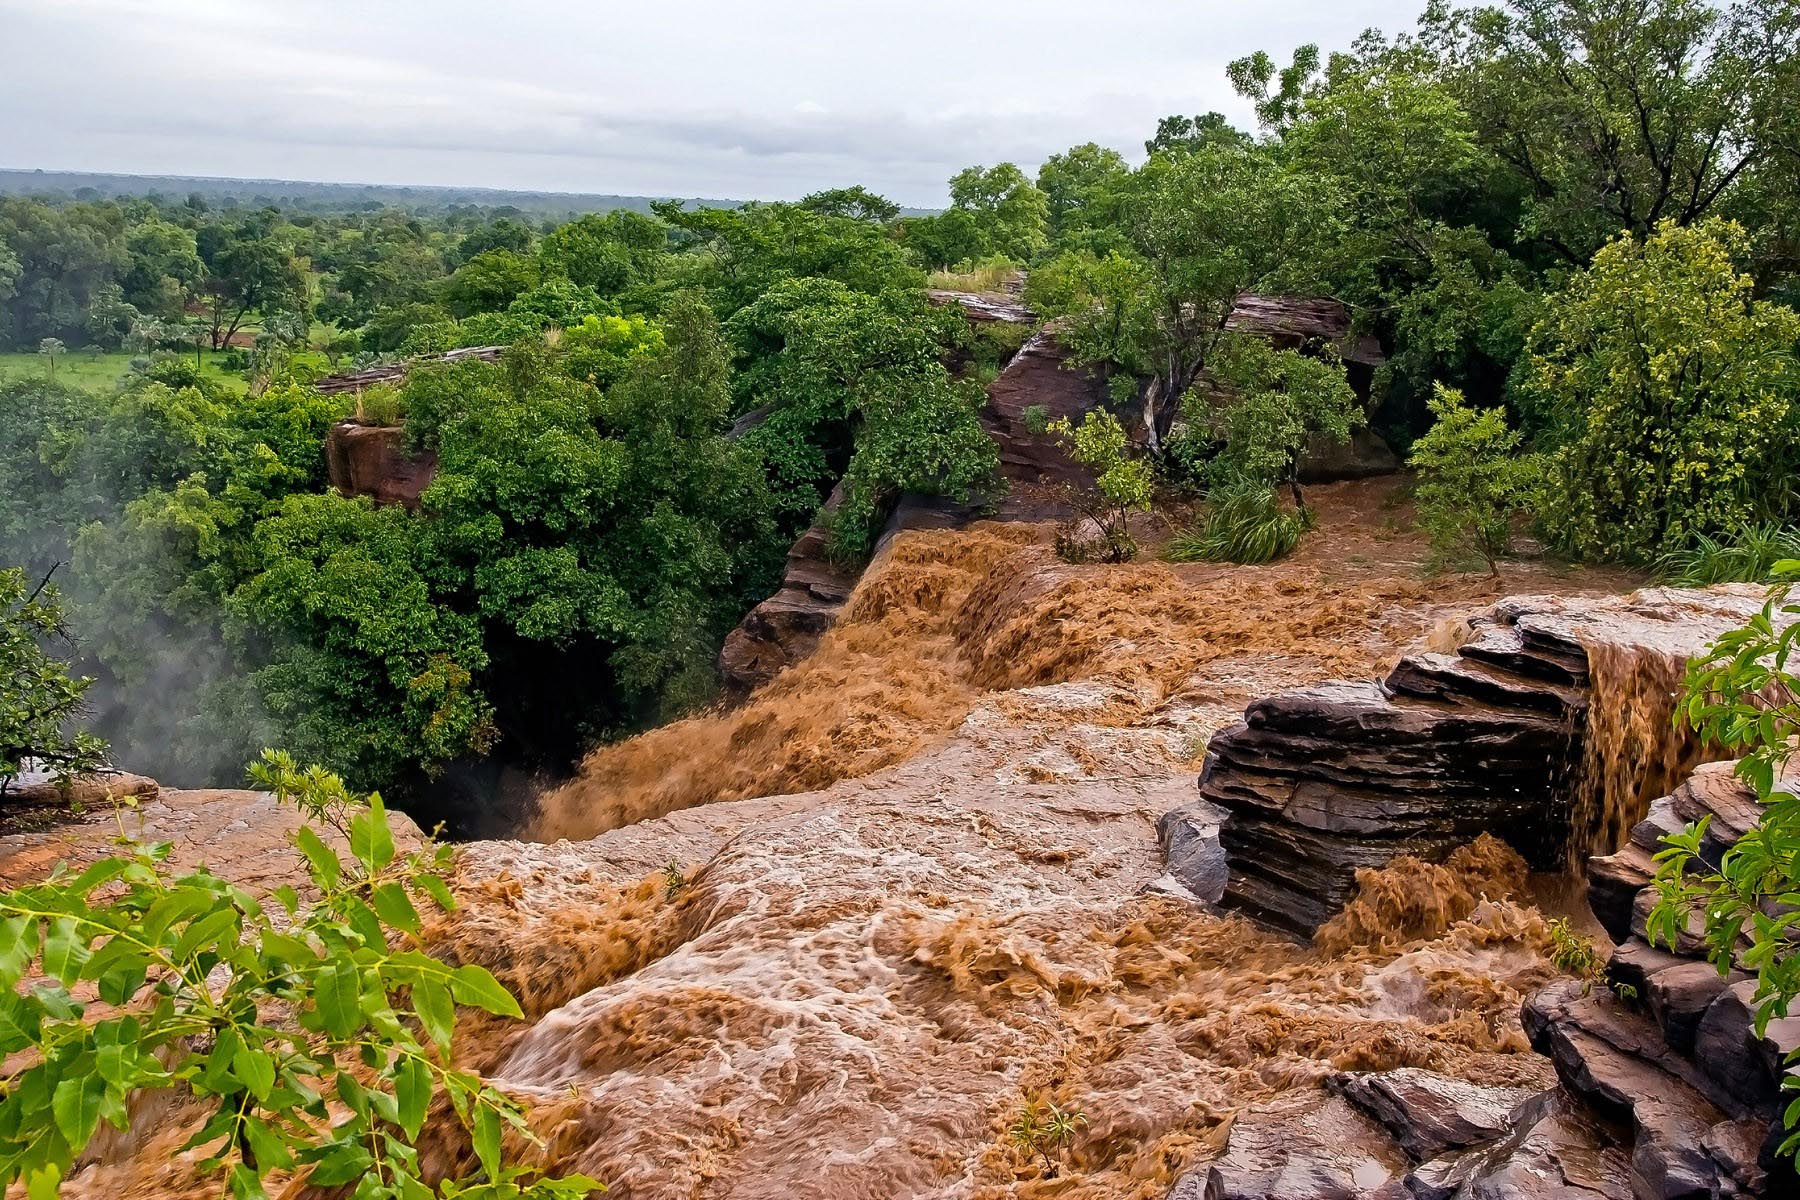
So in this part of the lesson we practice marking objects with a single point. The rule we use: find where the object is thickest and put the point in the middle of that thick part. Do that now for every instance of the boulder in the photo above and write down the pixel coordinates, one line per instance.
(1190, 842)
(1314, 1146)
(1320, 782)
(1553, 1150)
(1362, 455)
(1429, 1114)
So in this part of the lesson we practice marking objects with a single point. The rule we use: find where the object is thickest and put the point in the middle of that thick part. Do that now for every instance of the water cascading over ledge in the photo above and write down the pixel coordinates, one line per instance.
(1548, 725)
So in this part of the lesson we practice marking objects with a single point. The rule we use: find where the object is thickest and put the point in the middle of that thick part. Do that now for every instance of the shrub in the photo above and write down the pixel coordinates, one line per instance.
(264, 1012)
(1122, 486)
(1748, 556)
(1244, 523)
(38, 697)
(1744, 695)
(1472, 481)
(1672, 392)
(1271, 406)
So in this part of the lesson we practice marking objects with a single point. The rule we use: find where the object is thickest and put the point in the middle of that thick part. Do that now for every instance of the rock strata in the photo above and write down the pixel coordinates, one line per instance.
(1323, 781)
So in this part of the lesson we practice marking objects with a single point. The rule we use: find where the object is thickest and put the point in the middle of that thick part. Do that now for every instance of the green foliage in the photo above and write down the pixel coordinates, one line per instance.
(1742, 695)
(1577, 955)
(1122, 485)
(1747, 556)
(1270, 405)
(1672, 392)
(1041, 1129)
(1202, 229)
(1474, 479)
(1244, 523)
(40, 699)
(314, 1028)
(853, 386)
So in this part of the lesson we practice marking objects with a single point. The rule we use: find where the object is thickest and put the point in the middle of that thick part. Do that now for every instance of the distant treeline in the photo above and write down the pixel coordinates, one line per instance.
(301, 196)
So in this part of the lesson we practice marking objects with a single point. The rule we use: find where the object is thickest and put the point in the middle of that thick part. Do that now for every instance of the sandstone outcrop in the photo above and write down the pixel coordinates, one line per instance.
(394, 372)
(1496, 736)
(373, 461)
(1664, 1088)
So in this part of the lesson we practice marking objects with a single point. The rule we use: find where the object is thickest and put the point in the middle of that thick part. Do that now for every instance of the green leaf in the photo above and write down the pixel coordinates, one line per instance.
(76, 1106)
(255, 1069)
(487, 1139)
(337, 992)
(394, 907)
(475, 986)
(326, 869)
(412, 1089)
(371, 841)
(436, 1011)
(65, 950)
(246, 1183)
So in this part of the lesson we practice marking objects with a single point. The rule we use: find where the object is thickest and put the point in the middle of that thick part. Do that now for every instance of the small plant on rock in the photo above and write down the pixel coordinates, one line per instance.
(1122, 486)
(1244, 523)
(1040, 1129)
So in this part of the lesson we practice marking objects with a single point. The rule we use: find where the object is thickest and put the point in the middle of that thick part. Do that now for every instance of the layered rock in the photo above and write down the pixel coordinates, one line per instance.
(1493, 737)
(395, 372)
(1664, 1089)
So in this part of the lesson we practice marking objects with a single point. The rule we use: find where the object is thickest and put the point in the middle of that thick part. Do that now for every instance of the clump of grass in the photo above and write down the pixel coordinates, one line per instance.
(983, 275)
(1245, 522)
(1747, 556)
(381, 405)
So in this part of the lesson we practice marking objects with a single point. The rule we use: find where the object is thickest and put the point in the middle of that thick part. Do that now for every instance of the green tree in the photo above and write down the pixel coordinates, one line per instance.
(51, 349)
(164, 267)
(1612, 116)
(1122, 485)
(1204, 228)
(250, 267)
(1271, 405)
(369, 673)
(488, 282)
(856, 202)
(1082, 188)
(1473, 480)
(1668, 392)
(1010, 214)
(40, 700)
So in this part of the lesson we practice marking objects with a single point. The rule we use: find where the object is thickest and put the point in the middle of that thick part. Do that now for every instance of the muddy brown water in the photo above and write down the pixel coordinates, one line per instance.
(832, 942)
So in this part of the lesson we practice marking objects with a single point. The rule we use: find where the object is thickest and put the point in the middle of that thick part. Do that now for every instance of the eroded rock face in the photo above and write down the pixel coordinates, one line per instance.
(1323, 781)
(373, 461)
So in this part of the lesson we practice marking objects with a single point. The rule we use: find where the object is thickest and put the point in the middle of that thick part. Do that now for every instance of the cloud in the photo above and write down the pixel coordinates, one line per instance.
(774, 100)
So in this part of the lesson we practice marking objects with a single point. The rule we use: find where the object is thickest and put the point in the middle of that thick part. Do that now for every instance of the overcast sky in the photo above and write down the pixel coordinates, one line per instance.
(764, 99)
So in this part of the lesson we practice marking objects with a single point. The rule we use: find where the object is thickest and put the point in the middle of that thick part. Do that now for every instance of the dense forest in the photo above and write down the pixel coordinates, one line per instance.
(1573, 226)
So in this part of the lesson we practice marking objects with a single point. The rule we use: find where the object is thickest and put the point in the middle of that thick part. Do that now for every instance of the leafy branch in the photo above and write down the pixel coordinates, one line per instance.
(318, 1033)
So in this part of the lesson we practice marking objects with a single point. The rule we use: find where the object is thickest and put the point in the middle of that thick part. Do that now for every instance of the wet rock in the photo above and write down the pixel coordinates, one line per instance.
(1428, 1113)
(1553, 1150)
(1190, 842)
(1363, 455)
(1679, 997)
(1312, 1147)
(1322, 781)
(1042, 375)
(787, 626)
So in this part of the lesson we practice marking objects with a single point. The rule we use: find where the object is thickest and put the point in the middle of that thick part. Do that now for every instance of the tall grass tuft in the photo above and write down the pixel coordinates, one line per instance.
(1244, 523)
(1747, 556)
(983, 275)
